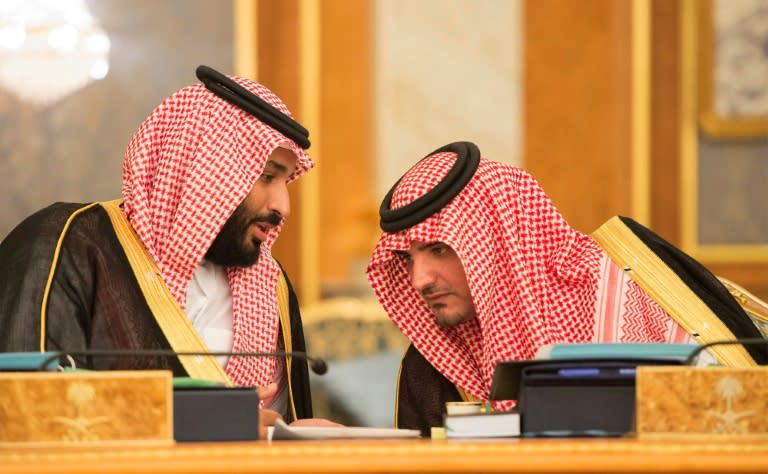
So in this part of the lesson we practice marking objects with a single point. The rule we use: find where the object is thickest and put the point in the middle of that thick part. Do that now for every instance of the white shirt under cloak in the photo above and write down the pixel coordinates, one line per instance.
(209, 309)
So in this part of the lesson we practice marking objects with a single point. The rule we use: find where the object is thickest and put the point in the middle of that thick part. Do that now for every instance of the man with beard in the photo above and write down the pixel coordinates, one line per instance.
(183, 261)
(476, 266)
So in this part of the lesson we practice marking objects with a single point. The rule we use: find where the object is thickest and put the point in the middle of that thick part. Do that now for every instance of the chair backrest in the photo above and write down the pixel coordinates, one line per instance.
(363, 349)
(756, 308)
(347, 327)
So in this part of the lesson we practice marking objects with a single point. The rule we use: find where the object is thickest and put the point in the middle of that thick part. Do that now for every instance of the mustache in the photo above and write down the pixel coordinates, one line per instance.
(434, 289)
(272, 218)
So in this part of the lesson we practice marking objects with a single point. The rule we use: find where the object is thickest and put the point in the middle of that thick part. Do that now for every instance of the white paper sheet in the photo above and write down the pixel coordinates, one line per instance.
(281, 431)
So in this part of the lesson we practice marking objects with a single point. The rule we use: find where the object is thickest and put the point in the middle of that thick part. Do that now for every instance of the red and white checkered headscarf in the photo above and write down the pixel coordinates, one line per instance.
(533, 279)
(187, 168)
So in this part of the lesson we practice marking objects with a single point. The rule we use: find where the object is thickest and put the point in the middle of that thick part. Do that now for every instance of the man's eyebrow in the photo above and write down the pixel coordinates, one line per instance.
(401, 253)
(276, 166)
(429, 245)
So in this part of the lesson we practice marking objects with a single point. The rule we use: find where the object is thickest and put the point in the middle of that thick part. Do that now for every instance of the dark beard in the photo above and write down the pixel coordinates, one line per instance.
(230, 249)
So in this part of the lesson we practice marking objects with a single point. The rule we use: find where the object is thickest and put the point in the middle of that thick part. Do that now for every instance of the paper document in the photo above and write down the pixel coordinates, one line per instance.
(281, 431)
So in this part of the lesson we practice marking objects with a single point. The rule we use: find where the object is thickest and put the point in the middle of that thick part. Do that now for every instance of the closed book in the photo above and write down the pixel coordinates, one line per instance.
(677, 352)
(483, 425)
(28, 361)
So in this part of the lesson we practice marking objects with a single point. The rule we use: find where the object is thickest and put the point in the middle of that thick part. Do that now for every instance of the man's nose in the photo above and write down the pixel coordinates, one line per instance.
(280, 200)
(422, 274)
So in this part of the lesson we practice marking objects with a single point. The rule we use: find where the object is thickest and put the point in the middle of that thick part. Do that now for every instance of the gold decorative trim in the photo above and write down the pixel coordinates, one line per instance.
(397, 388)
(284, 312)
(52, 271)
(669, 291)
(742, 253)
(170, 317)
(466, 397)
(755, 308)
(309, 51)
(689, 213)
(751, 303)
(246, 38)
(641, 111)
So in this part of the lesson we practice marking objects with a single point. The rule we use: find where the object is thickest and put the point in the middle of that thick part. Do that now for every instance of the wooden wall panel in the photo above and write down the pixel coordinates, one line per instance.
(279, 69)
(577, 98)
(347, 211)
(665, 120)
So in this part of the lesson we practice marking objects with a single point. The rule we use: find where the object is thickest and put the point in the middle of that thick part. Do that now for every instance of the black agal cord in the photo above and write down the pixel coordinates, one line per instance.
(467, 160)
(238, 95)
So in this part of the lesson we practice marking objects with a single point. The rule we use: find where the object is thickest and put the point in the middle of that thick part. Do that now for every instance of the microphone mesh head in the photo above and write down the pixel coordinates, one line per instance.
(318, 366)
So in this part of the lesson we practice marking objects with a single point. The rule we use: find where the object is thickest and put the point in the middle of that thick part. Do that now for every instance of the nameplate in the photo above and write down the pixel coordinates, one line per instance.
(86, 408)
(702, 402)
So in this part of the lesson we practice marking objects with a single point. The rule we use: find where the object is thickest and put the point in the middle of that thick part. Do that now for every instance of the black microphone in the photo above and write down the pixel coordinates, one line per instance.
(747, 341)
(317, 365)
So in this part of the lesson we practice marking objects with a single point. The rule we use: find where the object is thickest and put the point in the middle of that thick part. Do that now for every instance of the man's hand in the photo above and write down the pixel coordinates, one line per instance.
(267, 417)
(268, 391)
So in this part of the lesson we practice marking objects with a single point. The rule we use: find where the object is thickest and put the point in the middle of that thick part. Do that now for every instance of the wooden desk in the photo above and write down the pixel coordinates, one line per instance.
(296, 457)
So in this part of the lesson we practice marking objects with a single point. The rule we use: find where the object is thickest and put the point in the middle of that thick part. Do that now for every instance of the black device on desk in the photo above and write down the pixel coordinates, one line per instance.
(587, 397)
(215, 414)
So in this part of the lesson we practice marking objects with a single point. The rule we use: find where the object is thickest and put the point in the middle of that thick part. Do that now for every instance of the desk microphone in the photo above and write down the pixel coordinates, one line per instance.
(317, 365)
(747, 341)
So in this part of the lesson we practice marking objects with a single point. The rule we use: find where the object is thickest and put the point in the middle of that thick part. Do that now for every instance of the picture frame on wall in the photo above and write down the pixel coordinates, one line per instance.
(733, 68)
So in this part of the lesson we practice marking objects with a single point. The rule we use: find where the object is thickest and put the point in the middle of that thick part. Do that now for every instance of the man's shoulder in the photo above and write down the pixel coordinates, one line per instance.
(413, 360)
(417, 368)
(48, 223)
(284, 275)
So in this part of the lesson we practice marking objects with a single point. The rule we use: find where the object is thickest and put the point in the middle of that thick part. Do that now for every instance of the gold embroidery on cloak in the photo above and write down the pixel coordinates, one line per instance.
(173, 322)
(397, 388)
(283, 310)
(52, 271)
(662, 284)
